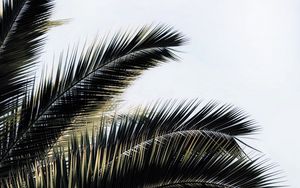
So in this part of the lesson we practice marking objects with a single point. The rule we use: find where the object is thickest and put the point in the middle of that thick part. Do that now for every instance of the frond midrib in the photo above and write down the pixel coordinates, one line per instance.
(203, 183)
(160, 138)
(182, 132)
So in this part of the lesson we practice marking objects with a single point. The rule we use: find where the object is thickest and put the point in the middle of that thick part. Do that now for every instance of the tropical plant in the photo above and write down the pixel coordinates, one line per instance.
(169, 144)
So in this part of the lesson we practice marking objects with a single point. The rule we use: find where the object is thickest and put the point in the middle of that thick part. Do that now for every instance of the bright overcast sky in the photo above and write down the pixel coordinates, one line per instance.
(243, 52)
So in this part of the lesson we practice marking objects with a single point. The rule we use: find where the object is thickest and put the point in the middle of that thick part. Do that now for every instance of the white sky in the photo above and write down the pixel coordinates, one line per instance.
(241, 52)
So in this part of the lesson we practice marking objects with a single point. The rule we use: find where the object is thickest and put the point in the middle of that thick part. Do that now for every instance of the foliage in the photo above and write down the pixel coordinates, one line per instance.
(171, 144)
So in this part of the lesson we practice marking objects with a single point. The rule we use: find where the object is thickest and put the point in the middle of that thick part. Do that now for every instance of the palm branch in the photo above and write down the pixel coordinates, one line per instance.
(23, 26)
(155, 149)
(83, 83)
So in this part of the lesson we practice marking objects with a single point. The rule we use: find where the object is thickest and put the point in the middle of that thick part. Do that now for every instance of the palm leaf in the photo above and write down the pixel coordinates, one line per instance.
(9, 12)
(176, 161)
(83, 83)
(22, 34)
(221, 123)
(218, 124)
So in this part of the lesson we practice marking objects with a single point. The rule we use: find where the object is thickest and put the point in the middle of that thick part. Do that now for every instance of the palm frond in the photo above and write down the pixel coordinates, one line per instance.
(83, 83)
(22, 31)
(175, 161)
(221, 123)
(9, 13)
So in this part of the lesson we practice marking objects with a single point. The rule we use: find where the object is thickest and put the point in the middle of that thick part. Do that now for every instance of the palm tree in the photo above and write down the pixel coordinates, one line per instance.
(168, 144)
